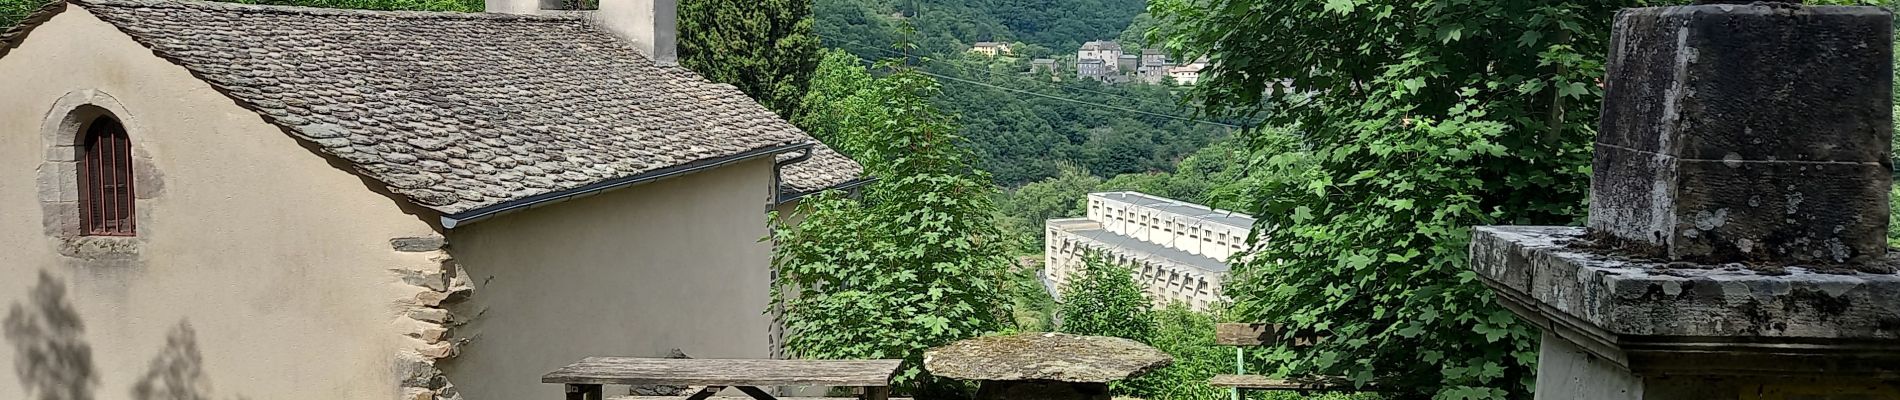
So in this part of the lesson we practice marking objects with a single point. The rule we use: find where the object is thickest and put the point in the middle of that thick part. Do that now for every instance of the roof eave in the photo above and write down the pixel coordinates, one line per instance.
(451, 221)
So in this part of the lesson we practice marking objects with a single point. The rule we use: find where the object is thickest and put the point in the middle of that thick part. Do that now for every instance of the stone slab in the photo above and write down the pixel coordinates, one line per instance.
(1044, 357)
(1657, 317)
(1624, 296)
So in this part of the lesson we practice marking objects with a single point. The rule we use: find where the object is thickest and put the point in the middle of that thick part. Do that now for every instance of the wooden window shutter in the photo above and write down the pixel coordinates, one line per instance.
(106, 203)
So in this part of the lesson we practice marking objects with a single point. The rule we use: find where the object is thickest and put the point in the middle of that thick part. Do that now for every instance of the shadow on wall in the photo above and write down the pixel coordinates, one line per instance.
(53, 361)
(51, 356)
(177, 373)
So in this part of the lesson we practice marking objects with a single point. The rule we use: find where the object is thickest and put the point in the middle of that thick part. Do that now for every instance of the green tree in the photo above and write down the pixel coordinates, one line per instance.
(1188, 336)
(1025, 209)
(1102, 299)
(839, 85)
(1414, 121)
(764, 47)
(12, 11)
(1032, 308)
(1135, 36)
(916, 261)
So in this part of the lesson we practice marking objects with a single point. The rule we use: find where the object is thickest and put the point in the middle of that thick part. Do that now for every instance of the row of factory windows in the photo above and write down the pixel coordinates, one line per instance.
(1171, 226)
(1149, 272)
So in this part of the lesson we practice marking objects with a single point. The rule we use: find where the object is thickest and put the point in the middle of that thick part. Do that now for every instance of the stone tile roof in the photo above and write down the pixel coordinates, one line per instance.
(463, 111)
(1100, 45)
(825, 169)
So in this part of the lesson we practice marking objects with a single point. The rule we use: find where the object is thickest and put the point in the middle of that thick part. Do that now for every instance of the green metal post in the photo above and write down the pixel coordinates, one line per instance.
(1240, 368)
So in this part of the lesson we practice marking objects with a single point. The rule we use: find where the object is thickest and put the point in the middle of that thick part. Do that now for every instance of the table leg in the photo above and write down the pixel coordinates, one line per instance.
(706, 392)
(755, 392)
(876, 393)
(583, 392)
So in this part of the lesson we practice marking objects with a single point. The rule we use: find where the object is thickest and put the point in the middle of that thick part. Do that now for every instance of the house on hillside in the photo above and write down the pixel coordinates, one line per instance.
(1042, 66)
(991, 49)
(1106, 51)
(1186, 75)
(1190, 73)
(1154, 66)
(1153, 58)
(1127, 63)
(1089, 68)
(298, 203)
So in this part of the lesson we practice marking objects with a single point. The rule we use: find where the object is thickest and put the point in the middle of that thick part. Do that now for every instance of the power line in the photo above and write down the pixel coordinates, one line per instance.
(1112, 107)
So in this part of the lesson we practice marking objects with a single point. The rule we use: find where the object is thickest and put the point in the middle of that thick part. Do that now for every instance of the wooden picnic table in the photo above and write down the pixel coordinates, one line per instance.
(583, 379)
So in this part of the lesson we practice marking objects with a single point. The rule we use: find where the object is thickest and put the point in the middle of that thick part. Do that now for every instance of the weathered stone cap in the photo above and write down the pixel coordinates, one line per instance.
(1540, 270)
(461, 111)
(1046, 357)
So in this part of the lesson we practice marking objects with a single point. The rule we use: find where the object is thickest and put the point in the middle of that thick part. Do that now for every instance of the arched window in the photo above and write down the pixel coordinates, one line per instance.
(105, 180)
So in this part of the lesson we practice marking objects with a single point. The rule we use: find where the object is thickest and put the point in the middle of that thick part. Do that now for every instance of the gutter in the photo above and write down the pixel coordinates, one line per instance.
(778, 175)
(452, 221)
(782, 197)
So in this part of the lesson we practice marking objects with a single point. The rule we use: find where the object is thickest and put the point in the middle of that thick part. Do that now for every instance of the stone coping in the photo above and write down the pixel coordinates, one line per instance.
(1035, 356)
(1624, 297)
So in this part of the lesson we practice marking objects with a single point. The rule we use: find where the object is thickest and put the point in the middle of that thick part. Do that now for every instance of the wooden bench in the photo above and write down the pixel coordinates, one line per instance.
(584, 379)
(1242, 336)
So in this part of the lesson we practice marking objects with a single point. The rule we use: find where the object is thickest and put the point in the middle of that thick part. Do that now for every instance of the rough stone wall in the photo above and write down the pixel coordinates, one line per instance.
(436, 286)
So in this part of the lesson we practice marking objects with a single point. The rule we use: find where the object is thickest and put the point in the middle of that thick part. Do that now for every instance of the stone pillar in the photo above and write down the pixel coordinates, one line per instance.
(1747, 132)
(1736, 243)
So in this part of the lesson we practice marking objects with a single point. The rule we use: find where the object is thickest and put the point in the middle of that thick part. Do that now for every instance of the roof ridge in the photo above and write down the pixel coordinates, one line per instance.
(340, 12)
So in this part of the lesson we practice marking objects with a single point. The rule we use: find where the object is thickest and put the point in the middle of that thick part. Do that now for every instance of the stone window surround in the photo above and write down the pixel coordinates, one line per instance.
(58, 177)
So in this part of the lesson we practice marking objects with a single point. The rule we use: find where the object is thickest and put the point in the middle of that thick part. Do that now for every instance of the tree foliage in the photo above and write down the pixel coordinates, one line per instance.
(1023, 137)
(947, 26)
(1412, 121)
(1206, 177)
(916, 261)
(12, 11)
(1188, 336)
(1102, 299)
(839, 85)
(765, 48)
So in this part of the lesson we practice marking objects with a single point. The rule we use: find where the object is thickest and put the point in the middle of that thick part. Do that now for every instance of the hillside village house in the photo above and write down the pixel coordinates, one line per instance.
(1190, 73)
(991, 49)
(249, 202)
(1044, 65)
(1187, 75)
(1109, 52)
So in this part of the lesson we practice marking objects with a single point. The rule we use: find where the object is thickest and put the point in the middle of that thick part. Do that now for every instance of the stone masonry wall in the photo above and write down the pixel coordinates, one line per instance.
(436, 287)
